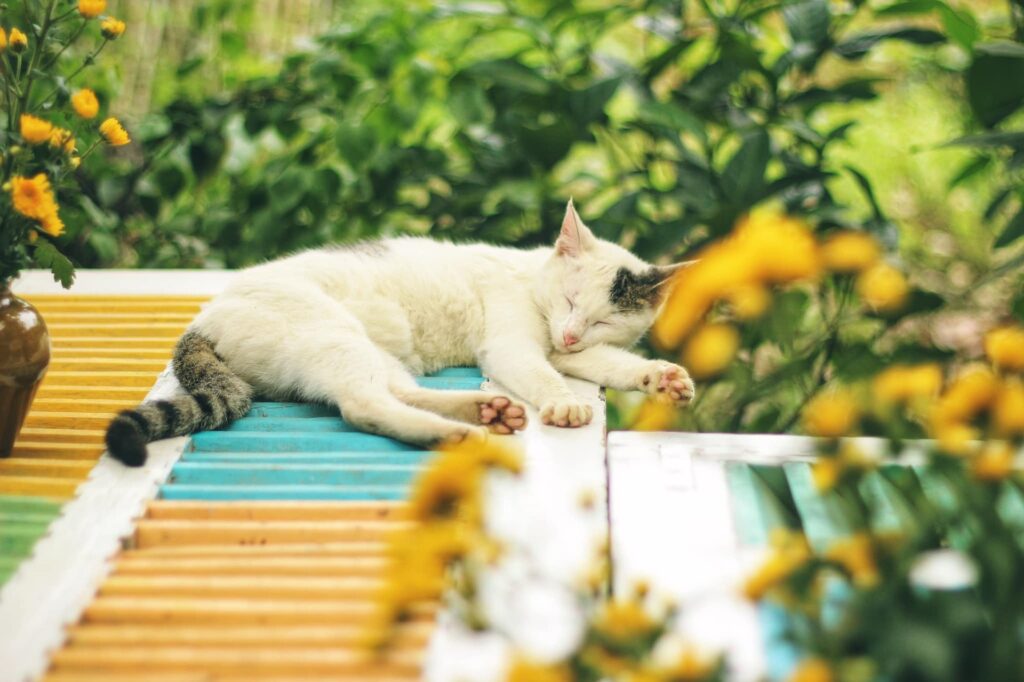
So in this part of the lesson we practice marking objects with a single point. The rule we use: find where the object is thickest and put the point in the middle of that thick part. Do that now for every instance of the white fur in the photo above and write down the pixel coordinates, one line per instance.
(352, 325)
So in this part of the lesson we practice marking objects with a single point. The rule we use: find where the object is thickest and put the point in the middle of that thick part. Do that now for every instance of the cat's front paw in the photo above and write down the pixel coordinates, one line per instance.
(568, 412)
(667, 379)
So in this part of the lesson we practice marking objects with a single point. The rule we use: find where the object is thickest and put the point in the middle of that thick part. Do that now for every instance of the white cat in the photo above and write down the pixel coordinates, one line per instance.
(352, 325)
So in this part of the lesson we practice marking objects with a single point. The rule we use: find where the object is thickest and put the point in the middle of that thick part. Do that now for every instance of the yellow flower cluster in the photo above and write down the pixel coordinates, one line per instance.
(446, 508)
(85, 103)
(622, 621)
(35, 130)
(856, 554)
(831, 414)
(789, 553)
(907, 384)
(33, 198)
(828, 469)
(90, 9)
(525, 670)
(1005, 348)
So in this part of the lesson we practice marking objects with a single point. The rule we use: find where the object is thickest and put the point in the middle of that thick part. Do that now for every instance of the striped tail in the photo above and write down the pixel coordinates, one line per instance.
(215, 397)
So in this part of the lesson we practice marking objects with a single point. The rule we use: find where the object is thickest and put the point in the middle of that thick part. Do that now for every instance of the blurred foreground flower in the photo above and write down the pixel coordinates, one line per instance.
(789, 553)
(831, 414)
(883, 287)
(1005, 348)
(710, 350)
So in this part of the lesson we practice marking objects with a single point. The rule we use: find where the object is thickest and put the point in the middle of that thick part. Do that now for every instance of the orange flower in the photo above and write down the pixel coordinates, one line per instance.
(994, 462)
(1005, 348)
(33, 198)
(90, 9)
(831, 415)
(85, 103)
(18, 40)
(35, 130)
(62, 138)
(1008, 412)
(903, 383)
(812, 670)
(3, 39)
(711, 349)
(856, 554)
(112, 28)
(114, 132)
(883, 287)
(850, 251)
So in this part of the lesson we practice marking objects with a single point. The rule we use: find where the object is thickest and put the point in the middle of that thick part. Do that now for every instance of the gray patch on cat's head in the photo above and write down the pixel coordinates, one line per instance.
(364, 247)
(631, 291)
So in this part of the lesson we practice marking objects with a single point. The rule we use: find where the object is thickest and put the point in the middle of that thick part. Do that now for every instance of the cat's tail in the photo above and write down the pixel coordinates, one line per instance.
(216, 396)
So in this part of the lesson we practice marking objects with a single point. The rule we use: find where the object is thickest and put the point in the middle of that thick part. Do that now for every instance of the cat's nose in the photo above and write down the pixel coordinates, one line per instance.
(570, 339)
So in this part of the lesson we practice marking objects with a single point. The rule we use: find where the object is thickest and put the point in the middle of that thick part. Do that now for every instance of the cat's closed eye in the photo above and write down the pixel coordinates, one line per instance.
(572, 306)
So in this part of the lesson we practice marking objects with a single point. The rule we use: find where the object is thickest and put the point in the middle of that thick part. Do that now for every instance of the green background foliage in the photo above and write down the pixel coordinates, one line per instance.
(665, 120)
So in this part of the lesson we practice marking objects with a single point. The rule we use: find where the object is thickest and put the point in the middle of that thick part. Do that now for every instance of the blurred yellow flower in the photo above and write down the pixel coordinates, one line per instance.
(85, 103)
(491, 453)
(784, 247)
(524, 670)
(903, 383)
(114, 132)
(1008, 412)
(3, 39)
(17, 40)
(994, 462)
(883, 287)
(33, 198)
(653, 415)
(61, 138)
(35, 130)
(812, 670)
(691, 665)
(789, 553)
(749, 301)
(956, 438)
(90, 9)
(112, 28)
(75, 161)
(448, 487)
(969, 394)
(825, 473)
(1005, 348)
(710, 350)
(856, 554)
(831, 414)
(850, 251)
(624, 621)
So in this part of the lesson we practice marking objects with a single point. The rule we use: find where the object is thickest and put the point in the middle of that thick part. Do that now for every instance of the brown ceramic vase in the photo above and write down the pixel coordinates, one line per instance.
(24, 357)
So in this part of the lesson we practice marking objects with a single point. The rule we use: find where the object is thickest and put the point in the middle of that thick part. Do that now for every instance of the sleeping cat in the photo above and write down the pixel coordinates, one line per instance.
(352, 325)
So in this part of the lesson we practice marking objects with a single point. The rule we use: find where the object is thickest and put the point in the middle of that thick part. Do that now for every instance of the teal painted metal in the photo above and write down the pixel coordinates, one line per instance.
(293, 474)
(340, 458)
(293, 451)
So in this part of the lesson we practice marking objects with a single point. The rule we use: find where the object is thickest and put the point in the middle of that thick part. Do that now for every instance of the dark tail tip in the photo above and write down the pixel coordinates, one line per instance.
(126, 440)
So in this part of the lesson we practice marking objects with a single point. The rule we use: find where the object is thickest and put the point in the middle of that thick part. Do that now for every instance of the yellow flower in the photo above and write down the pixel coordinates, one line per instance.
(784, 247)
(789, 553)
(710, 350)
(1005, 348)
(749, 301)
(831, 415)
(112, 28)
(903, 383)
(856, 554)
(61, 138)
(75, 161)
(994, 462)
(524, 670)
(35, 130)
(85, 103)
(654, 415)
(883, 287)
(812, 670)
(18, 40)
(491, 454)
(1008, 412)
(624, 621)
(448, 487)
(956, 438)
(689, 666)
(850, 251)
(114, 133)
(971, 392)
(825, 473)
(33, 198)
(90, 9)
(3, 39)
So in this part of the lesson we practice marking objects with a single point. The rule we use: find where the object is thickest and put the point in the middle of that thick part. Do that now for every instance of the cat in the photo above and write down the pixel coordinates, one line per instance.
(352, 325)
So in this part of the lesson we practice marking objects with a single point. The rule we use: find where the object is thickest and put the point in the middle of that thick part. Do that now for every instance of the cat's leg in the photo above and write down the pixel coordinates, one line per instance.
(625, 371)
(519, 365)
(498, 413)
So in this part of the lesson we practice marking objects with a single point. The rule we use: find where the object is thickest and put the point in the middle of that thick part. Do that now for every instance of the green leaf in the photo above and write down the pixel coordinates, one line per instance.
(743, 176)
(587, 105)
(1017, 307)
(807, 20)
(46, 255)
(961, 25)
(996, 203)
(969, 170)
(511, 74)
(993, 139)
(860, 44)
(670, 116)
(995, 82)
(865, 186)
(1013, 231)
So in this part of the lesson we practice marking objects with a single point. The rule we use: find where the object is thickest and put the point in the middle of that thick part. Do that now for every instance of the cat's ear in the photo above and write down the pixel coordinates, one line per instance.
(575, 237)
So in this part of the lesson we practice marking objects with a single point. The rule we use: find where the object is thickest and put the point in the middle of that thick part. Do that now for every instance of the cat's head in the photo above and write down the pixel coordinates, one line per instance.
(593, 291)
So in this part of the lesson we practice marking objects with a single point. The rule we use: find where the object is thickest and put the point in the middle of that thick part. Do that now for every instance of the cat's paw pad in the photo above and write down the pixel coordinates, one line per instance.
(566, 412)
(669, 380)
(503, 415)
